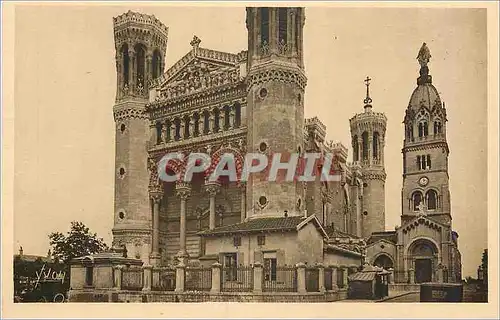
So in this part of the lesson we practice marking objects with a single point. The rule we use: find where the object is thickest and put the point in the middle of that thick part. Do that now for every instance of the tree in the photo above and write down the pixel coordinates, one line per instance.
(78, 242)
(484, 266)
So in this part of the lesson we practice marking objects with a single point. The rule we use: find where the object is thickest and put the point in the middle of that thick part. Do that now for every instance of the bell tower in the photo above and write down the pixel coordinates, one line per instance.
(368, 140)
(140, 42)
(275, 103)
(425, 151)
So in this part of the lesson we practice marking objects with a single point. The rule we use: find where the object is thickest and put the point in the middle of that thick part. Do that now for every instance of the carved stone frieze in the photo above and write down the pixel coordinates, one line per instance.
(129, 113)
(285, 75)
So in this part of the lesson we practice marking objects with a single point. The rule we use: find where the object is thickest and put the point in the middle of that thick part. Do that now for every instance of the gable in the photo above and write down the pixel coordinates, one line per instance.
(381, 242)
(420, 221)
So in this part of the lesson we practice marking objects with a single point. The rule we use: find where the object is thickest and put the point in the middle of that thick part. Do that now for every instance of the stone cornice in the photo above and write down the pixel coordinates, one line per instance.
(426, 145)
(197, 100)
(198, 142)
(274, 71)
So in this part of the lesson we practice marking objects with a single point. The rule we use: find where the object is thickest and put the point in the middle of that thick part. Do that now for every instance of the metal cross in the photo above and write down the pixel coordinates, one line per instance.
(367, 100)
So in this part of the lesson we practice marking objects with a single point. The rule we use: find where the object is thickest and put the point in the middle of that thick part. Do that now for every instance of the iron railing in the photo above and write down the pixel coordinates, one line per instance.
(236, 279)
(280, 279)
(312, 279)
(198, 279)
(132, 279)
(163, 279)
(328, 279)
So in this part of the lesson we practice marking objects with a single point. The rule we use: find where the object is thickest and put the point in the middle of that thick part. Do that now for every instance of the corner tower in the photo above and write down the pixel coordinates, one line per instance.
(140, 42)
(368, 140)
(275, 103)
(425, 151)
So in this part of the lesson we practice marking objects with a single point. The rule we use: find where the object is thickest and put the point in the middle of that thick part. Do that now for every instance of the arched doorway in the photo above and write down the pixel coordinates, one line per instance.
(423, 255)
(383, 261)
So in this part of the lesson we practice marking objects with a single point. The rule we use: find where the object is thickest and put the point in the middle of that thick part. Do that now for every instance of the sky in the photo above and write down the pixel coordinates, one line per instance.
(65, 85)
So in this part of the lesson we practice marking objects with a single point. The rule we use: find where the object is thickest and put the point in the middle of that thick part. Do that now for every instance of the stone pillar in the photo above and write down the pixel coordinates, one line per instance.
(301, 278)
(132, 71)
(211, 122)
(359, 228)
(216, 283)
(117, 277)
(391, 276)
(411, 274)
(257, 277)
(182, 130)
(346, 277)
(148, 276)
(191, 125)
(212, 189)
(155, 257)
(370, 148)
(180, 275)
(292, 33)
(201, 123)
(334, 278)
(243, 201)
(231, 118)
(222, 119)
(381, 151)
(183, 192)
(321, 277)
(172, 130)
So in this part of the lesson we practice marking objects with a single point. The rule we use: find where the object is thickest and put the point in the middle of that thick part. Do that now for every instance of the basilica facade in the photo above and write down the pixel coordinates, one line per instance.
(217, 102)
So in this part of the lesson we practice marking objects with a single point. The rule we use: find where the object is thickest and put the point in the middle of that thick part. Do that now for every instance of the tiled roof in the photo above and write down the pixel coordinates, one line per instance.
(258, 224)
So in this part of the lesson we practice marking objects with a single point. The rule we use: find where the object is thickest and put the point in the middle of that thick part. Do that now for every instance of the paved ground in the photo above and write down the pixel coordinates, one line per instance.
(404, 297)
(407, 297)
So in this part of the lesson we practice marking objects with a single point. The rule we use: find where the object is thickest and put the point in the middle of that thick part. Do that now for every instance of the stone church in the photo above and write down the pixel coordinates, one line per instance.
(253, 101)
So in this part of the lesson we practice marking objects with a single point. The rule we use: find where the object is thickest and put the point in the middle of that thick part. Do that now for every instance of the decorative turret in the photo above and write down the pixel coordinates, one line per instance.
(141, 43)
(368, 136)
(425, 150)
(275, 108)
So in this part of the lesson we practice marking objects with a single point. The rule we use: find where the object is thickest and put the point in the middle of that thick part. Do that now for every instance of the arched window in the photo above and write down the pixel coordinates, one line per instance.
(409, 132)
(264, 26)
(227, 112)
(355, 148)
(237, 115)
(177, 123)
(297, 24)
(140, 53)
(428, 162)
(437, 127)
(187, 122)
(420, 130)
(158, 132)
(168, 124)
(426, 129)
(157, 65)
(216, 120)
(375, 145)
(431, 200)
(126, 63)
(419, 163)
(206, 122)
(364, 137)
(417, 199)
(196, 127)
(282, 25)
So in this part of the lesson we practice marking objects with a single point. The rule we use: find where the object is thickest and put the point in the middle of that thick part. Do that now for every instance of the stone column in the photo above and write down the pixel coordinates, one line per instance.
(183, 192)
(257, 277)
(411, 274)
(334, 278)
(243, 201)
(201, 122)
(132, 71)
(191, 125)
(172, 130)
(231, 117)
(148, 275)
(346, 277)
(222, 119)
(381, 150)
(182, 130)
(370, 148)
(212, 189)
(180, 275)
(211, 122)
(117, 277)
(119, 74)
(360, 149)
(321, 277)
(216, 284)
(291, 40)
(155, 257)
(301, 278)
(358, 212)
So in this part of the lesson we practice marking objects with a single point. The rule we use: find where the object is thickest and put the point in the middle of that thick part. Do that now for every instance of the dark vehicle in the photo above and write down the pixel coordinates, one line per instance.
(44, 291)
